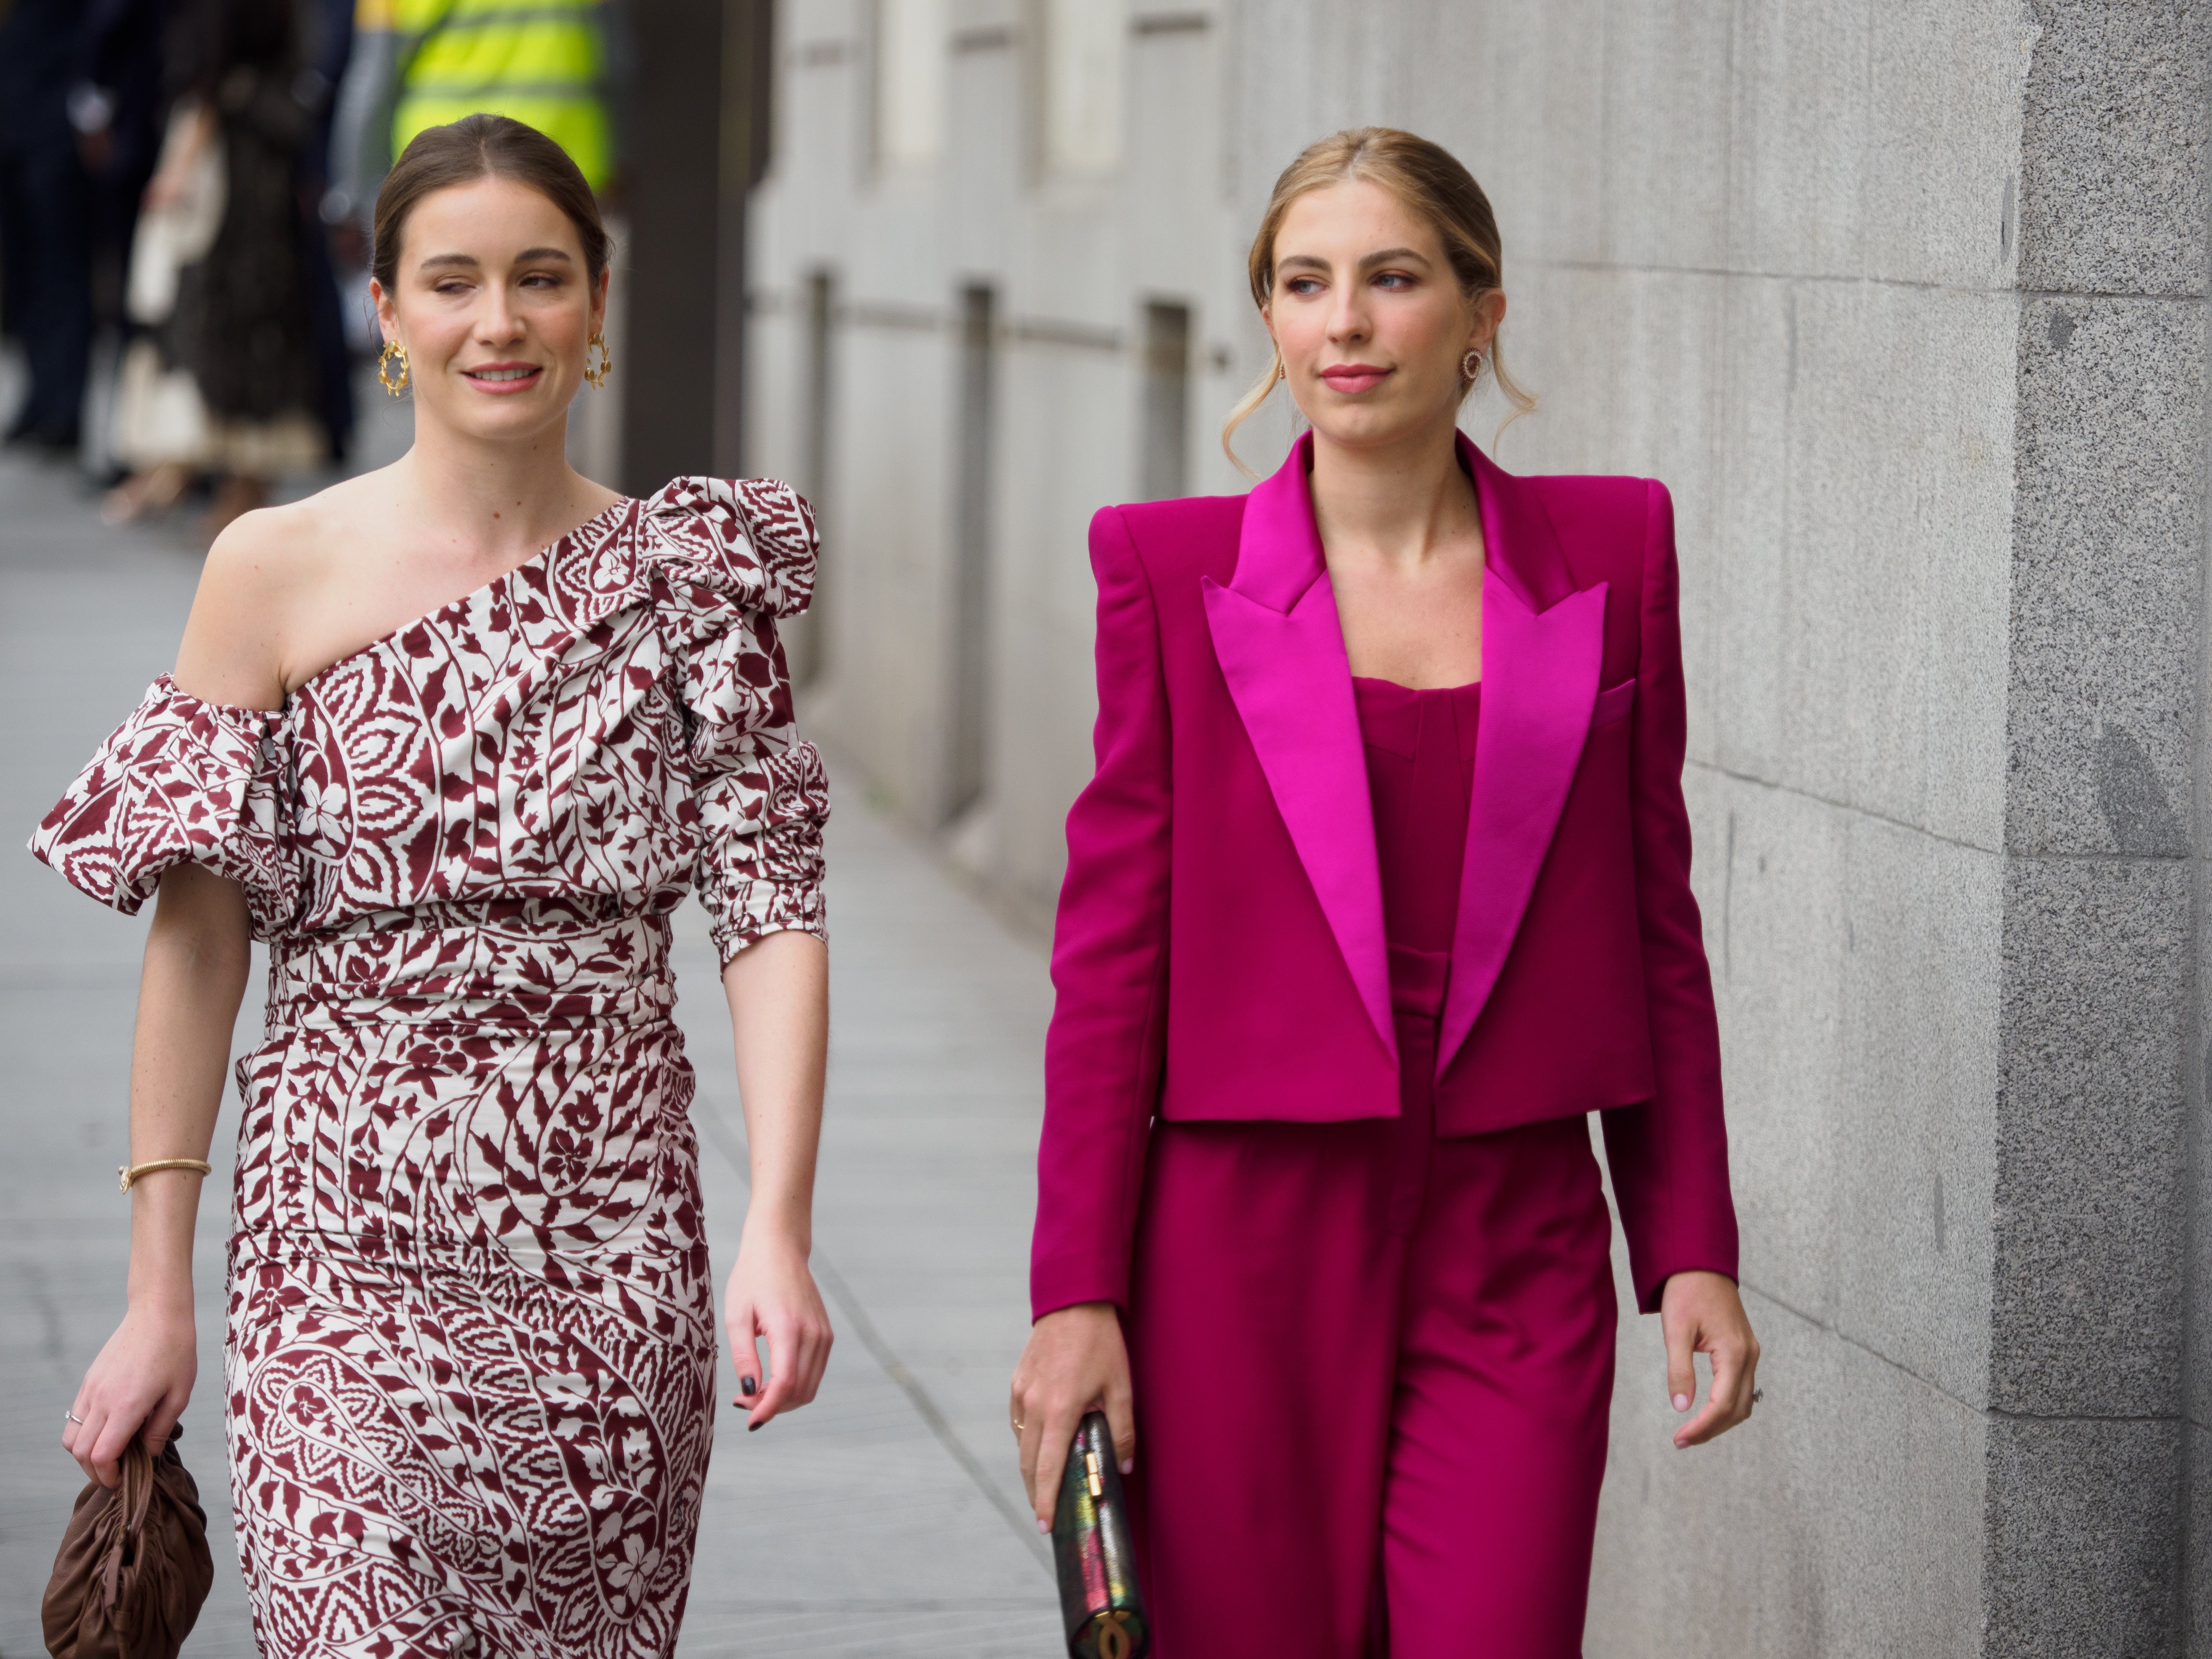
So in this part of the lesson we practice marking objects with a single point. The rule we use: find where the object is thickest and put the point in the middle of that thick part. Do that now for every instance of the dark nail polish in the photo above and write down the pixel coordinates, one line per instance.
(747, 1387)
(752, 1428)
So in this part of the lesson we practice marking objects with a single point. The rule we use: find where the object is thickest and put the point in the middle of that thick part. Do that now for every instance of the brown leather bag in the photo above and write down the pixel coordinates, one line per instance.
(134, 1565)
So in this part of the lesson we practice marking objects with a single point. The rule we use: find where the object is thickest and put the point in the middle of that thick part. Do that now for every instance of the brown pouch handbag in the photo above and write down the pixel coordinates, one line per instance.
(134, 1565)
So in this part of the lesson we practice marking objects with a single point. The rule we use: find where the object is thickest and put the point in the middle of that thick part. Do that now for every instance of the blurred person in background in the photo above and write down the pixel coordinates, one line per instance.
(46, 221)
(329, 52)
(238, 390)
(417, 63)
(117, 103)
(158, 434)
(162, 435)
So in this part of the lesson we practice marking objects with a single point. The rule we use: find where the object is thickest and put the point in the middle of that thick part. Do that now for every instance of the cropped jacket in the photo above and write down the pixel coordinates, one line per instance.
(1219, 951)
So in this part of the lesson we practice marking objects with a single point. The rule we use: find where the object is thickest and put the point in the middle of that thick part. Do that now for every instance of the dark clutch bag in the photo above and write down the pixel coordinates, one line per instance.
(1091, 1547)
(134, 1566)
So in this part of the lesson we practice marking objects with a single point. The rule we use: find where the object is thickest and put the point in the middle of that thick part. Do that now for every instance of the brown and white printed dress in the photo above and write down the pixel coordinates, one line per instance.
(470, 1345)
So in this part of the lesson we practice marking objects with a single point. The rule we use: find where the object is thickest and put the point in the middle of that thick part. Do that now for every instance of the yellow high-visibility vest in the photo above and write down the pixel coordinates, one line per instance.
(541, 62)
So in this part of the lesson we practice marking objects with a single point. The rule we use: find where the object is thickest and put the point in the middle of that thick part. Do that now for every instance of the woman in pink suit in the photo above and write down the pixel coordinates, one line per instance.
(1382, 884)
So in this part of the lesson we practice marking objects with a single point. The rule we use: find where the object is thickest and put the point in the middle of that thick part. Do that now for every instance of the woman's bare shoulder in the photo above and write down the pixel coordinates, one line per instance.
(264, 571)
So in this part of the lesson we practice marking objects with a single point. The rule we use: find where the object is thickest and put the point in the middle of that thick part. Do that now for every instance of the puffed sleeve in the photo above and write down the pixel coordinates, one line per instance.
(727, 558)
(180, 782)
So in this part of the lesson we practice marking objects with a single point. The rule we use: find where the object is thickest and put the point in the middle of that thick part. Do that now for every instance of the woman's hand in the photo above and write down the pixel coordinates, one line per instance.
(771, 1294)
(779, 994)
(138, 1385)
(172, 181)
(164, 191)
(1700, 1313)
(197, 955)
(1075, 1363)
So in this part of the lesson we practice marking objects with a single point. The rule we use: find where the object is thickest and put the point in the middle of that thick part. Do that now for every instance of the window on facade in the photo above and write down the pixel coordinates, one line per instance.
(974, 443)
(808, 645)
(1164, 444)
(1086, 43)
(910, 75)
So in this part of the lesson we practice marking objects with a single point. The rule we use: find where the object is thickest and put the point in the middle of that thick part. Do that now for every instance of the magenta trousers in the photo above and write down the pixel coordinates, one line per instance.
(1372, 1371)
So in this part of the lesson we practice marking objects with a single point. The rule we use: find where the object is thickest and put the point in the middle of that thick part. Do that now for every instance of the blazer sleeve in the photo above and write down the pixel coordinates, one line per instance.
(1103, 1052)
(1668, 1156)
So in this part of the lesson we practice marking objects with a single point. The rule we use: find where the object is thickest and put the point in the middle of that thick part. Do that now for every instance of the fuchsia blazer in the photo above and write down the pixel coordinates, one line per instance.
(1219, 952)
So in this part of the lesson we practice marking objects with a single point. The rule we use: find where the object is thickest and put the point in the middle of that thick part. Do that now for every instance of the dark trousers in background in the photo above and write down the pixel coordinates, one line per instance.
(46, 228)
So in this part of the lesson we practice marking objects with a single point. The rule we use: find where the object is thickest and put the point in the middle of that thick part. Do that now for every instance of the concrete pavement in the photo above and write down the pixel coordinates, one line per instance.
(885, 1518)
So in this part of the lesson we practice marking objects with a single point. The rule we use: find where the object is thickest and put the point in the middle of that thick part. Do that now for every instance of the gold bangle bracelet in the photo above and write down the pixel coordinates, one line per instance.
(131, 1172)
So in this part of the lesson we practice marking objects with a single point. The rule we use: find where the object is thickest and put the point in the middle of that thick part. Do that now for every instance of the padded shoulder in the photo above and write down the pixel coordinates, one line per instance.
(1189, 535)
(1603, 523)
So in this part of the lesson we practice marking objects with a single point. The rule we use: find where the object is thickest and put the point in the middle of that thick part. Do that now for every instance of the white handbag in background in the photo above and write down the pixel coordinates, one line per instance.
(180, 231)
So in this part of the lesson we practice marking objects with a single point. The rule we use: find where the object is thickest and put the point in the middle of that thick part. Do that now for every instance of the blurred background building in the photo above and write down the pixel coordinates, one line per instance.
(994, 286)
(1906, 303)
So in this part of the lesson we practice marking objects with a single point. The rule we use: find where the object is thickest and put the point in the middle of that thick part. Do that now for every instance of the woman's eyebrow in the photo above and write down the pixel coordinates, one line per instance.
(1389, 256)
(470, 262)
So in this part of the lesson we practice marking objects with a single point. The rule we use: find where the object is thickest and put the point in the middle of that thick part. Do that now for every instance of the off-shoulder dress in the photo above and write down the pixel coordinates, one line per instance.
(469, 1353)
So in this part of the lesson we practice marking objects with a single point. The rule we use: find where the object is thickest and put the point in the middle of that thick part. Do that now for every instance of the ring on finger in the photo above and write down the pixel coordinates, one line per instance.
(75, 1418)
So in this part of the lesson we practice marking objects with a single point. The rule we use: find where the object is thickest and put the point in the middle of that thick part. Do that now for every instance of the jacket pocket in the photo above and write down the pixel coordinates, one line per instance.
(1613, 703)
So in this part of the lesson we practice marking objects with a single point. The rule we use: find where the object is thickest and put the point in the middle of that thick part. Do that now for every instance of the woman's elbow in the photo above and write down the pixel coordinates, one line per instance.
(201, 928)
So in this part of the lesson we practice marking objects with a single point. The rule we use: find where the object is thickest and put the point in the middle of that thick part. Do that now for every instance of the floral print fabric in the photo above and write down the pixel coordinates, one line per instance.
(470, 1347)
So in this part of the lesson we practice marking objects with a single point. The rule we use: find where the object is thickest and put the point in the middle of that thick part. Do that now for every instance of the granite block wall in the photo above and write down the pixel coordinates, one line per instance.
(2090, 1544)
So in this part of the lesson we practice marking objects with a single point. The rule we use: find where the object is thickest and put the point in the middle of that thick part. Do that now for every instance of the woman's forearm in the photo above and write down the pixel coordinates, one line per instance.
(197, 956)
(778, 995)
(196, 133)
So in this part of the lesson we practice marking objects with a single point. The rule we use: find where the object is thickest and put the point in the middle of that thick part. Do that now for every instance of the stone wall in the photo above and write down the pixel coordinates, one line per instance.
(1906, 302)
(2096, 1374)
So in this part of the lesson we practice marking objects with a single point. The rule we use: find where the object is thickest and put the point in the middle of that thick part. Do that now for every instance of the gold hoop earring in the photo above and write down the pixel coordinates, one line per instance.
(393, 349)
(596, 373)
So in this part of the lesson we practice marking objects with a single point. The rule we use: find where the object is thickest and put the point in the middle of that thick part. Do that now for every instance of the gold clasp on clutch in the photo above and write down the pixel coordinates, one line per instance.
(1114, 1641)
(1097, 1479)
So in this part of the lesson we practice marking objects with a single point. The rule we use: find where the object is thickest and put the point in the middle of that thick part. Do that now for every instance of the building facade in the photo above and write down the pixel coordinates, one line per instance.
(1906, 302)
(993, 287)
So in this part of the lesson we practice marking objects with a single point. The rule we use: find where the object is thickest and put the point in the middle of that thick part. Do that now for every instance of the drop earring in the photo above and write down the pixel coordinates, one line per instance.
(597, 373)
(393, 352)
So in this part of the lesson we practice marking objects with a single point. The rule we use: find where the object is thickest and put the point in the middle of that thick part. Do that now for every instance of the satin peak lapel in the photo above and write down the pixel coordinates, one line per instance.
(1542, 645)
(1281, 649)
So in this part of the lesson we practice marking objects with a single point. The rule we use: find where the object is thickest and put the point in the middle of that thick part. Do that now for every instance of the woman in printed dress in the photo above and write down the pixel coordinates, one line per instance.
(470, 1356)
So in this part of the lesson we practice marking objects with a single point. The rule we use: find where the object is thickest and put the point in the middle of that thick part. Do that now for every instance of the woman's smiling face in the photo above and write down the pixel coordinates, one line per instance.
(1369, 318)
(494, 305)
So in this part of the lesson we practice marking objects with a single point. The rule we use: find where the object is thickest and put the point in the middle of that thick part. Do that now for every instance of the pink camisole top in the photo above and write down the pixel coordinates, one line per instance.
(1420, 778)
